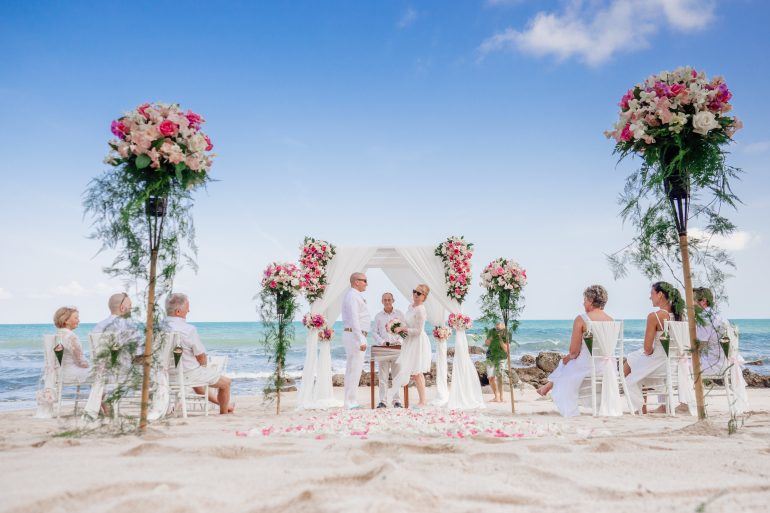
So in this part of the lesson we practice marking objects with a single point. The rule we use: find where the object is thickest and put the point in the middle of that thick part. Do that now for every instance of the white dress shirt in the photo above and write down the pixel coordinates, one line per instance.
(191, 342)
(355, 315)
(380, 333)
(127, 329)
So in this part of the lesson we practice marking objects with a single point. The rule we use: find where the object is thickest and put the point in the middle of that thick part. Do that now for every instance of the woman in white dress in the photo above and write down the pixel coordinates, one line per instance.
(565, 381)
(74, 363)
(651, 357)
(415, 356)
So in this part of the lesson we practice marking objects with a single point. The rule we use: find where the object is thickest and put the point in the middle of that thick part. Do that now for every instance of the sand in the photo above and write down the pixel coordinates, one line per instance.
(628, 464)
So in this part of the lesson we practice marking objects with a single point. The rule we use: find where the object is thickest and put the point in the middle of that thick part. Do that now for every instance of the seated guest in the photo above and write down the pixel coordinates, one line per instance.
(651, 357)
(74, 363)
(565, 381)
(194, 357)
(708, 332)
(497, 351)
(120, 322)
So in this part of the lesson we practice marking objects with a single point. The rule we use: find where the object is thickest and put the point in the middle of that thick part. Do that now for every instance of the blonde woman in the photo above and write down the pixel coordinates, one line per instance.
(415, 356)
(76, 368)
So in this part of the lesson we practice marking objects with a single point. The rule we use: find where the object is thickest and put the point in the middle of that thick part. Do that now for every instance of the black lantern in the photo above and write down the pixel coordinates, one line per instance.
(156, 206)
(677, 187)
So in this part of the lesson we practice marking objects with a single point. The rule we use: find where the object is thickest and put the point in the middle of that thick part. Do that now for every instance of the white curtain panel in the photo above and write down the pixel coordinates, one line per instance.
(47, 395)
(465, 390)
(606, 335)
(317, 369)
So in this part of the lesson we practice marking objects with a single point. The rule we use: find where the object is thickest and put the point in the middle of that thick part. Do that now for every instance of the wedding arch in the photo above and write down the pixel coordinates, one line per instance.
(405, 267)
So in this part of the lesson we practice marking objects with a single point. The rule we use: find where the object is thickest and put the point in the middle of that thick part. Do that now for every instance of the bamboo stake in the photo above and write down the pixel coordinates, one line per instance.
(148, 342)
(696, 368)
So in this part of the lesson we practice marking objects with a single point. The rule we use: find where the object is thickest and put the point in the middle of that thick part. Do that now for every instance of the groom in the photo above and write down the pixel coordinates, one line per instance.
(355, 318)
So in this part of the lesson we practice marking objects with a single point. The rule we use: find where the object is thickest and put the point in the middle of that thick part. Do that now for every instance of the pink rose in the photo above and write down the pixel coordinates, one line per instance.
(677, 89)
(626, 134)
(626, 98)
(209, 146)
(168, 128)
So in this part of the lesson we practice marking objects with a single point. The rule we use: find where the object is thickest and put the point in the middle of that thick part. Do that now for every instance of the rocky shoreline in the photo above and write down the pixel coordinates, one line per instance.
(531, 370)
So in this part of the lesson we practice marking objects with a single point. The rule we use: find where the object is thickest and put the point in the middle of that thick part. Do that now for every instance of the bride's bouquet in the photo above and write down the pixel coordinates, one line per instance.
(314, 321)
(393, 325)
(459, 321)
(442, 333)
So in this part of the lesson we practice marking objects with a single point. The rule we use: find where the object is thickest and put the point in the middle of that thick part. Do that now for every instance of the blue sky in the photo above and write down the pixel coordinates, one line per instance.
(365, 123)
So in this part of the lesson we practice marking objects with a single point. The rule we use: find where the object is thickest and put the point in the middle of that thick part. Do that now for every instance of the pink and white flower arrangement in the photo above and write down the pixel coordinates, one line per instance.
(282, 277)
(456, 254)
(459, 321)
(315, 256)
(503, 274)
(161, 137)
(326, 334)
(314, 321)
(672, 107)
(442, 333)
(394, 324)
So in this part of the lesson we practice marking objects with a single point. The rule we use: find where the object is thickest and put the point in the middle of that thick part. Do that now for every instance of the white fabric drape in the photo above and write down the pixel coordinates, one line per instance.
(605, 336)
(465, 389)
(48, 393)
(442, 386)
(680, 336)
(316, 390)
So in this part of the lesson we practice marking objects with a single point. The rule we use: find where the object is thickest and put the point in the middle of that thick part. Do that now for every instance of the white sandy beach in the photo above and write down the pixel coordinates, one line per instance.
(628, 464)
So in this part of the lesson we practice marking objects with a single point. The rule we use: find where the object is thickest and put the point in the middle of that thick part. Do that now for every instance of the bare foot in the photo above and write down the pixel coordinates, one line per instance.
(682, 408)
(660, 409)
(543, 390)
(231, 408)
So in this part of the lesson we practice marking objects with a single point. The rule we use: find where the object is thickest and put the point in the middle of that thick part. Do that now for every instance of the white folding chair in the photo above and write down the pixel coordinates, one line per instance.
(675, 377)
(606, 338)
(182, 388)
(733, 385)
(49, 343)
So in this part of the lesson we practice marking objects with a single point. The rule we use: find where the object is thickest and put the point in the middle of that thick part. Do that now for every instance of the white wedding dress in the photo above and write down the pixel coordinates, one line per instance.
(642, 365)
(415, 351)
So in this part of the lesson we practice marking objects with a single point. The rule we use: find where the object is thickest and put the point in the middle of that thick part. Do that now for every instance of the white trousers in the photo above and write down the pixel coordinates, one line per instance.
(386, 367)
(353, 367)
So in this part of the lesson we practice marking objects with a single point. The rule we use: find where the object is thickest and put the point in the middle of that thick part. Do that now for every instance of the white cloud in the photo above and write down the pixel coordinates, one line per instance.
(595, 31)
(73, 289)
(736, 241)
(408, 18)
(5, 294)
(756, 148)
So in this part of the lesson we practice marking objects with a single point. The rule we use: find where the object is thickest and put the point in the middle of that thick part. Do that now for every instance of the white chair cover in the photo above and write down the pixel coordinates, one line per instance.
(48, 394)
(735, 362)
(680, 342)
(465, 389)
(315, 391)
(605, 339)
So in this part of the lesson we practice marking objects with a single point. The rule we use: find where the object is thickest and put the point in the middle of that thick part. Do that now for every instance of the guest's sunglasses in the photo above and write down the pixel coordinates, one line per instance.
(417, 292)
(363, 280)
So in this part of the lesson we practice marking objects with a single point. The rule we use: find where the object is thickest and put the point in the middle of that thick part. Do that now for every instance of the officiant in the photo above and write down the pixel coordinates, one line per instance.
(387, 364)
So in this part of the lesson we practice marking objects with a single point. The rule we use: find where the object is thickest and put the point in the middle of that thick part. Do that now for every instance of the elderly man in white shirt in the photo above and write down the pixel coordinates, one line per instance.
(194, 357)
(387, 365)
(356, 321)
(120, 322)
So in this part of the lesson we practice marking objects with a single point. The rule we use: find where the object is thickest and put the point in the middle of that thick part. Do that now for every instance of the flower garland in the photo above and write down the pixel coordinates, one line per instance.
(315, 255)
(160, 137)
(503, 274)
(442, 333)
(314, 321)
(282, 277)
(673, 108)
(325, 334)
(459, 321)
(456, 254)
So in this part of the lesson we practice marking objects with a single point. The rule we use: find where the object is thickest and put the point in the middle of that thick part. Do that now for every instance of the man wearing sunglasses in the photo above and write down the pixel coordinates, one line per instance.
(355, 318)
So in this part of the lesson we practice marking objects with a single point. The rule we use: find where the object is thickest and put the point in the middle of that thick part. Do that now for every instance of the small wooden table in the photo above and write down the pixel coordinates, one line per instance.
(380, 353)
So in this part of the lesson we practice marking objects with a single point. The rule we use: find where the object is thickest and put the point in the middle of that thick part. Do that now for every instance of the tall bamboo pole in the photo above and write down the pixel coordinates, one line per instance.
(148, 341)
(688, 292)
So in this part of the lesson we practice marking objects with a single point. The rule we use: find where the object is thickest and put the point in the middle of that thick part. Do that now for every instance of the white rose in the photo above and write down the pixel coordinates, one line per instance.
(197, 143)
(703, 122)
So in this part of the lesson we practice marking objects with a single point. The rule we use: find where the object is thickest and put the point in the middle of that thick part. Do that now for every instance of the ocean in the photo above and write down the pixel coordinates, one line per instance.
(21, 353)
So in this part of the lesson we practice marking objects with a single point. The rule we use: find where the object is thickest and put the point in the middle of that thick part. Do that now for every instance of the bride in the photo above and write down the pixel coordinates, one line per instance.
(415, 355)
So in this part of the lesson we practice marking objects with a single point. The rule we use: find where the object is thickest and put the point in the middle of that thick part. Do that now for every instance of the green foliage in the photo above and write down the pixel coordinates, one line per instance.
(699, 164)
(277, 312)
(501, 305)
